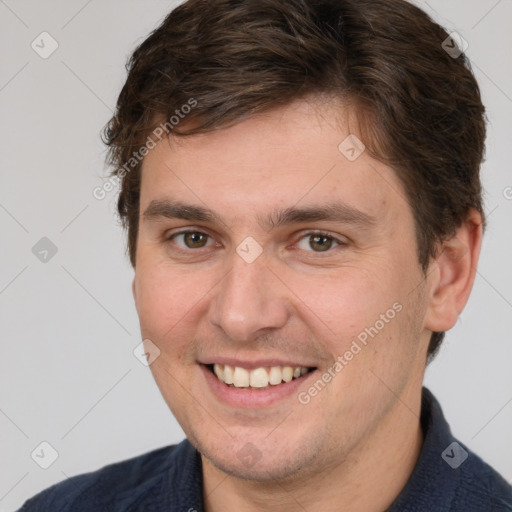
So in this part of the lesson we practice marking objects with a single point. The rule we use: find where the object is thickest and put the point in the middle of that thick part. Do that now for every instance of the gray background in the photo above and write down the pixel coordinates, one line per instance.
(67, 370)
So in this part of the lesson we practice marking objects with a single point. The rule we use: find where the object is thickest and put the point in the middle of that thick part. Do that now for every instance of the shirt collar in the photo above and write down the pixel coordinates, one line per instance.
(433, 482)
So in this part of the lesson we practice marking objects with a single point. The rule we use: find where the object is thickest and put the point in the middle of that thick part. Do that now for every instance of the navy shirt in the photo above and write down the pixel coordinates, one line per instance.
(448, 477)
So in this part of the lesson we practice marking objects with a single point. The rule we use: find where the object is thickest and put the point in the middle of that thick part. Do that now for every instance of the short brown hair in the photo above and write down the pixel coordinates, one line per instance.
(419, 106)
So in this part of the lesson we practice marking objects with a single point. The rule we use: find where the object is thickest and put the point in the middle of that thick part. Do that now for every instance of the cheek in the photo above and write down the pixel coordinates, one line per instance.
(367, 317)
(164, 297)
(343, 302)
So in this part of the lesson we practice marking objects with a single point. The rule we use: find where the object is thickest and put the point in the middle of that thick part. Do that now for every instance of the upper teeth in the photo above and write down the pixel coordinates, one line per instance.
(258, 377)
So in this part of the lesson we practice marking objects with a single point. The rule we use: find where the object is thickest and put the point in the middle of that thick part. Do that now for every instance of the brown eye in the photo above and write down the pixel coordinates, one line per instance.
(320, 242)
(317, 242)
(191, 239)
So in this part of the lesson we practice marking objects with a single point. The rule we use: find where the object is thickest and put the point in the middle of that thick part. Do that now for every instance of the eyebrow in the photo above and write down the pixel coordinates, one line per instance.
(332, 212)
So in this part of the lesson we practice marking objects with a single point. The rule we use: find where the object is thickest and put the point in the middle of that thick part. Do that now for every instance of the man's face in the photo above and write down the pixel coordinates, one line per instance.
(257, 287)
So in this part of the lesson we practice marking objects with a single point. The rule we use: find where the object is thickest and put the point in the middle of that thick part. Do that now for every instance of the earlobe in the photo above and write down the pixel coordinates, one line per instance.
(453, 274)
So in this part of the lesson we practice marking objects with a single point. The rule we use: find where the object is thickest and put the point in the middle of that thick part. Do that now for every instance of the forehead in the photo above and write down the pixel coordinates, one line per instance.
(298, 155)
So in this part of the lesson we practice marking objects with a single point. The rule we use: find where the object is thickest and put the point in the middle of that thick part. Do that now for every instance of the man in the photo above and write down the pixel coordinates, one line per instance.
(300, 186)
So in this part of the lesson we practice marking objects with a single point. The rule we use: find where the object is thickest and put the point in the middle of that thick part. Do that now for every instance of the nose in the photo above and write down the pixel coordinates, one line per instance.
(249, 301)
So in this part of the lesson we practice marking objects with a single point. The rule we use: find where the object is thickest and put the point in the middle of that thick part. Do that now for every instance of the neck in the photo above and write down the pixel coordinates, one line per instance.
(369, 479)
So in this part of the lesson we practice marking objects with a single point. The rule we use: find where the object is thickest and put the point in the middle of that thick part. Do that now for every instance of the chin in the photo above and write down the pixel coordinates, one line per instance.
(263, 462)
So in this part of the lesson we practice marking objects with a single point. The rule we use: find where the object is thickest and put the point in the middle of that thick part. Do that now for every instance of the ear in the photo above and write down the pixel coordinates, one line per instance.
(134, 291)
(452, 274)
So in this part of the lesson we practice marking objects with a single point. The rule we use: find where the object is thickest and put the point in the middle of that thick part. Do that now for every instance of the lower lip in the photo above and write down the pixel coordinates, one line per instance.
(252, 398)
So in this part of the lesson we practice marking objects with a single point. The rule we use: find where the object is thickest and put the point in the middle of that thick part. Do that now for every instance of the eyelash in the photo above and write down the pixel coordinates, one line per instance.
(340, 243)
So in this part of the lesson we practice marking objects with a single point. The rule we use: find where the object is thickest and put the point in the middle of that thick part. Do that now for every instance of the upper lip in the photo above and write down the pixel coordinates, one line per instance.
(254, 363)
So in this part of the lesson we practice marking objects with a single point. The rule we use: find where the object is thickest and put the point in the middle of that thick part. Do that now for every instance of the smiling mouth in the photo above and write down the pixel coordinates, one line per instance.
(257, 378)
